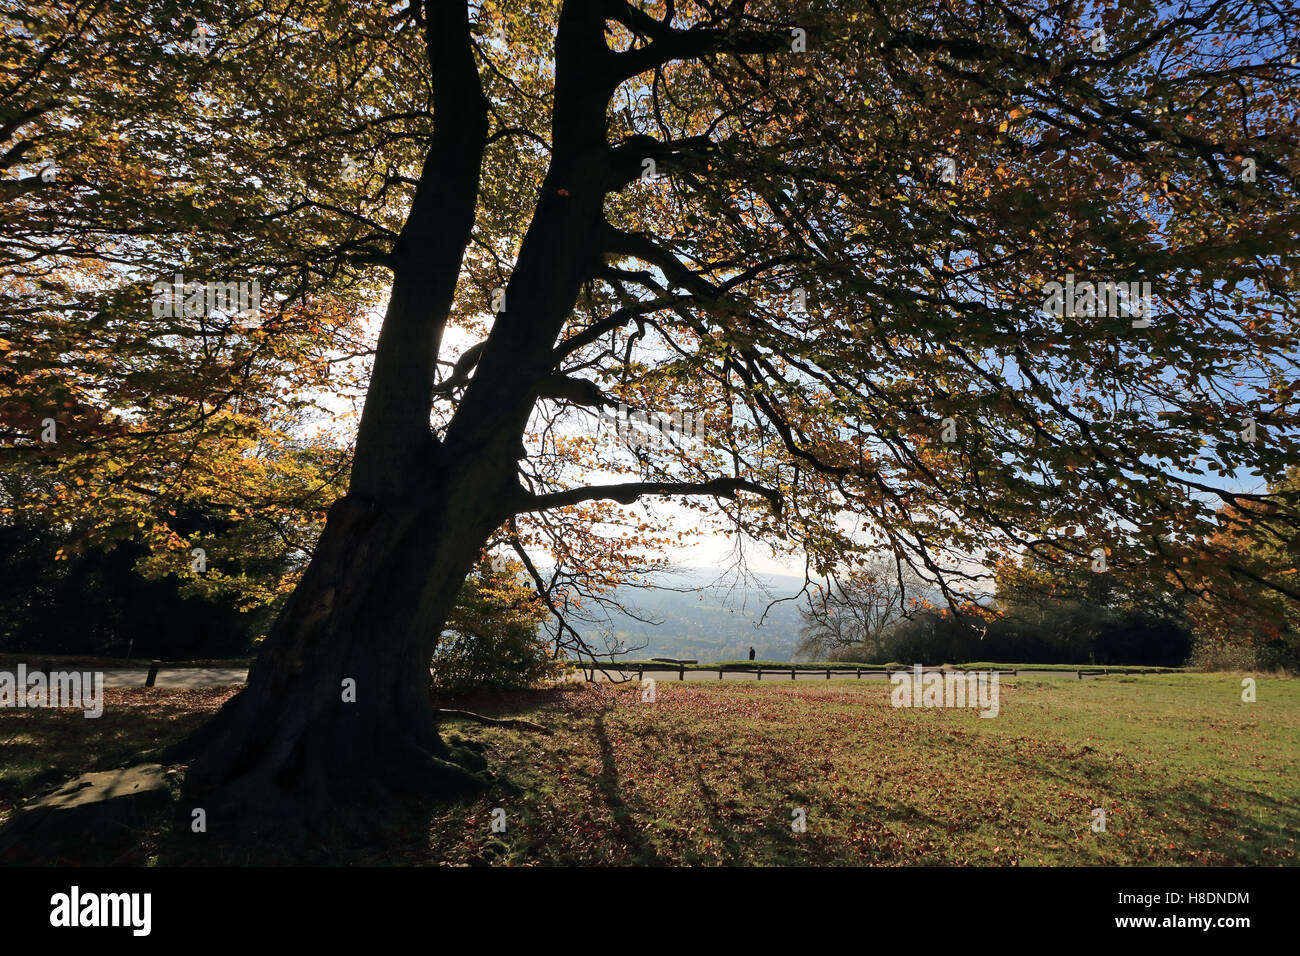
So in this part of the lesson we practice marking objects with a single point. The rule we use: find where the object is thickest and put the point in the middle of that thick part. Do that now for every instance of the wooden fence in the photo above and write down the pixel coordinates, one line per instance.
(794, 670)
(758, 670)
(772, 670)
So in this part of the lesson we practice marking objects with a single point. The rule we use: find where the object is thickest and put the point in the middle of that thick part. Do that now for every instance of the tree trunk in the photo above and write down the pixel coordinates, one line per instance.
(337, 710)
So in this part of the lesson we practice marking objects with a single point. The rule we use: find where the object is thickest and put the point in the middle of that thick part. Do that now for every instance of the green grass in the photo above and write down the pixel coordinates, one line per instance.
(710, 773)
(1187, 773)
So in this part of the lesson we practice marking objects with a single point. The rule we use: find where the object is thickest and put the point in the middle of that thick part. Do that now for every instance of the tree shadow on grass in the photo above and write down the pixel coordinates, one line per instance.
(610, 787)
(745, 834)
(772, 843)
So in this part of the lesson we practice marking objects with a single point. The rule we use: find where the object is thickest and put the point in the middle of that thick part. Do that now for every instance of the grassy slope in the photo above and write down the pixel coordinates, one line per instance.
(710, 773)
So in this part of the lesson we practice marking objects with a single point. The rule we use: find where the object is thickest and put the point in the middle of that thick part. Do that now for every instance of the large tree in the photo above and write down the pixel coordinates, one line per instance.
(830, 230)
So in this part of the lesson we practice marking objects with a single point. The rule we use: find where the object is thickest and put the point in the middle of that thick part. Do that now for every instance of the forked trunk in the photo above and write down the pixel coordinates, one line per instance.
(337, 706)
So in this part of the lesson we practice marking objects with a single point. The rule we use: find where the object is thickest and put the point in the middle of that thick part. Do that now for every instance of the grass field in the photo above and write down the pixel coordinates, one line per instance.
(712, 773)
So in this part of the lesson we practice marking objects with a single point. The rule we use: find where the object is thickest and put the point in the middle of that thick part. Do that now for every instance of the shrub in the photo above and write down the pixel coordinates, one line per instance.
(1209, 654)
(493, 639)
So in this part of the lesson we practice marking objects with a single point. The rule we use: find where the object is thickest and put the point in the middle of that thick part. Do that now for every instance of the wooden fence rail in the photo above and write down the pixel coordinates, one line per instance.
(759, 669)
(795, 670)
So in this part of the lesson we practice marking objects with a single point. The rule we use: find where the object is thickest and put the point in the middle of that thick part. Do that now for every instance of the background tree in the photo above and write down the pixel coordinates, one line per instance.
(1244, 622)
(1043, 613)
(855, 613)
(95, 602)
(1053, 613)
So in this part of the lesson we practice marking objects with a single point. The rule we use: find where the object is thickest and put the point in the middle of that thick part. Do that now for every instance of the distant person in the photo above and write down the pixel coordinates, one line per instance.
(751, 653)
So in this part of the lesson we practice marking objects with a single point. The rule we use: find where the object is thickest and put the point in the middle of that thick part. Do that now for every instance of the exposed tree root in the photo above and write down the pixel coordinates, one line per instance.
(515, 723)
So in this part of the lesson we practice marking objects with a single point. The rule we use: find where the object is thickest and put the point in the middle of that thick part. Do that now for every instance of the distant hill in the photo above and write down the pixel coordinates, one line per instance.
(707, 622)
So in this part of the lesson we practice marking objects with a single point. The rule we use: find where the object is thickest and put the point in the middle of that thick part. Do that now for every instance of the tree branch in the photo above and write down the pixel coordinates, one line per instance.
(629, 492)
(626, 160)
(694, 43)
(642, 247)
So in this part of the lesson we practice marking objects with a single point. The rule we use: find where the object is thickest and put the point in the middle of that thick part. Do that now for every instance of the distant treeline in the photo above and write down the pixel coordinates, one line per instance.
(1045, 615)
(94, 602)
(1071, 635)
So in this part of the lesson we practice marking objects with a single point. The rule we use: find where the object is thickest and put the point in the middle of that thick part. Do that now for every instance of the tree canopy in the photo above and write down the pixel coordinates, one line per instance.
(841, 249)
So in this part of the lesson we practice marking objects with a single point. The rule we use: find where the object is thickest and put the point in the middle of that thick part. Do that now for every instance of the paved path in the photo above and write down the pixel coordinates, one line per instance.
(176, 676)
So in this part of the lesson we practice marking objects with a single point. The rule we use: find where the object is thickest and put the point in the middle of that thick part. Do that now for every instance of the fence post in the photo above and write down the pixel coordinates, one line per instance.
(153, 673)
